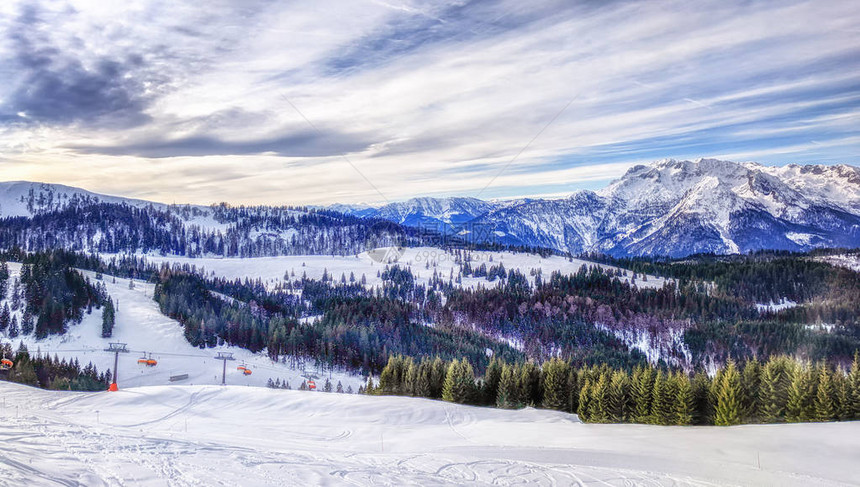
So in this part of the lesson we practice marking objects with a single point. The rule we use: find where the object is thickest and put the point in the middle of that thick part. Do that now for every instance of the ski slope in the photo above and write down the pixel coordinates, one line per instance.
(140, 324)
(213, 435)
(422, 261)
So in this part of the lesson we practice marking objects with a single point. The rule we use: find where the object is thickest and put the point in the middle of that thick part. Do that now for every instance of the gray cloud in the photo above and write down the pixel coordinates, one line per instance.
(301, 144)
(56, 87)
(426, 97)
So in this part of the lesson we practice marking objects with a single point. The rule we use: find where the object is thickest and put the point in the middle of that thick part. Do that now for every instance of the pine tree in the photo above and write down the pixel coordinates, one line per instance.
(751, 382)
(776, 379)
(391, 378)
(328, 386)
(438, 373)
(5, 318)
(704, 409)
(685, 400)
(799, 406)
(506, 397)
(14, 331)
(27, 324)
(108, 319)
(599, 403)
(854, 388)
(618, 399)
(642, 385)
(728, 407)
(841, 395)
(25, 373)
(422, 381)
(585, 407)
(662, 400)
(339, 388)
(555, 384)
(492, 377)
(573, 390)
(410, 378)
(530, 383)
(459, 384)
(825, 409)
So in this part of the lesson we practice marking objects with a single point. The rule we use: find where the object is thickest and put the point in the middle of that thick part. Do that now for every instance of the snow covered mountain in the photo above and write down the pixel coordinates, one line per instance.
(669, 207)
(672, 208)
(681, 207)
(442, 214)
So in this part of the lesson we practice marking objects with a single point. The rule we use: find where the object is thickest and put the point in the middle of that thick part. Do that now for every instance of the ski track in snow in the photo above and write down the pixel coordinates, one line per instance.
(214, 435)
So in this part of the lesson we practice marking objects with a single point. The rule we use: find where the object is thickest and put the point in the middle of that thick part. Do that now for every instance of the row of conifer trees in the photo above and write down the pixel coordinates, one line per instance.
(781, 389)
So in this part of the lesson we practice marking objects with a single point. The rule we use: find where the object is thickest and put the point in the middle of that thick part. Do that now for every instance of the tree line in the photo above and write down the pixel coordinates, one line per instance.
(781, 389)
(52, 373)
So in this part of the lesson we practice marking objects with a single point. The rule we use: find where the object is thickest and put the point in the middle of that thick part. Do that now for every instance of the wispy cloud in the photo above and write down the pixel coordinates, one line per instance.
(181, 103)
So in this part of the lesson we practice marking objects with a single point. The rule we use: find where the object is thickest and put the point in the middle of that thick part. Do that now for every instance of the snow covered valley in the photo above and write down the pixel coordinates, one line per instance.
(214, 435)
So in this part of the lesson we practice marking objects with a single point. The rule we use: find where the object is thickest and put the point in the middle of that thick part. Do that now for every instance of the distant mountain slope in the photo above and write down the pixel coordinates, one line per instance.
(669, 207)
(673, 208)
(38, 216)
(437, 214)
(24, 198)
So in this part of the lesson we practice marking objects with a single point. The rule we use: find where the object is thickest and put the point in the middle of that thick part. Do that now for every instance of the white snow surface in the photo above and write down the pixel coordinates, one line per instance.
(140, 324)
(213, 435)
(271, 269)
(772, 307)
(848, 261)
(14, 198)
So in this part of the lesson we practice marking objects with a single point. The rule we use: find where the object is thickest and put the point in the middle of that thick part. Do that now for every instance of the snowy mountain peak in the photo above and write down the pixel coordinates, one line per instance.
(677, 207)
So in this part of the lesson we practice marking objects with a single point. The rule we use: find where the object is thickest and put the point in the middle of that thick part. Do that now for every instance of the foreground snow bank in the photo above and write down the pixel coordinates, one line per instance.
(212, 435)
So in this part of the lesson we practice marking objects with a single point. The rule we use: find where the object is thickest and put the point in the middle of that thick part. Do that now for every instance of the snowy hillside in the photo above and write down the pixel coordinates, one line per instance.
(24, 198)
(212, 435)
(422, 261)
(140, 324)
(37, 216)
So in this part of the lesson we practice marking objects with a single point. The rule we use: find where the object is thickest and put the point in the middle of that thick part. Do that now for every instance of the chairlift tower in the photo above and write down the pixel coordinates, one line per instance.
(224, 356)
(116, 348)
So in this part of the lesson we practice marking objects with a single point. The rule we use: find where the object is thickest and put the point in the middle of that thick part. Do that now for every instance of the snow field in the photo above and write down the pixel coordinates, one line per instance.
(213, 435)
(271, 269)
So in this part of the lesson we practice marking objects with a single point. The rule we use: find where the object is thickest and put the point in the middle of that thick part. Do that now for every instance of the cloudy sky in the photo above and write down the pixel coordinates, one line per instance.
(321, 101)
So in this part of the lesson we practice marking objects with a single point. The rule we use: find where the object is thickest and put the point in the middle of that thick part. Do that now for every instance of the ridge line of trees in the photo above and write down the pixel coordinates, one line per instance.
(779, 390)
